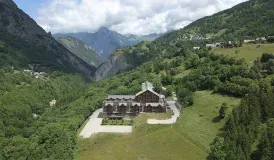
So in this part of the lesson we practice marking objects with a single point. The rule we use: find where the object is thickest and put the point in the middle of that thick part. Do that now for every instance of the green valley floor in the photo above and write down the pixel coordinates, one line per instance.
(250, 52)
(188, 139)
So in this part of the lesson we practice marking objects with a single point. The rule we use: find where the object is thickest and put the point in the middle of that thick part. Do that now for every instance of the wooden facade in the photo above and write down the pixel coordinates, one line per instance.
(145, 101)
(147, 97)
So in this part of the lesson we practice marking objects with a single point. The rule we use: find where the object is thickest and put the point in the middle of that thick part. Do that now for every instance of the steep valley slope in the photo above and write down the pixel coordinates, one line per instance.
(82, 50)
(104, 41)
(31, 45)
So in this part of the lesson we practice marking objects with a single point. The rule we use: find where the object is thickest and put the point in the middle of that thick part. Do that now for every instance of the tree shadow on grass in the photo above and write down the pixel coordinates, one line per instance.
(216, 119)
(209, 157)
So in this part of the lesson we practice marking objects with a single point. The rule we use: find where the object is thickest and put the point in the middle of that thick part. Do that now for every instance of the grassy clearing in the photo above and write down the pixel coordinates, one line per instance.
(159, 116)
(200, 122)
(250, 52)
(188, 139)
(221, 32)
(270, 77)
(182, 74)
(153, 142)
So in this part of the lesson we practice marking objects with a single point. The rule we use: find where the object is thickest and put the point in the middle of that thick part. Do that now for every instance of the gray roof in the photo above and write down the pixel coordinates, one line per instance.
(210, 45)
(150, 91)
(121, 97)
(108, 103)
(133, 104)
(154, 104)
(120, 104)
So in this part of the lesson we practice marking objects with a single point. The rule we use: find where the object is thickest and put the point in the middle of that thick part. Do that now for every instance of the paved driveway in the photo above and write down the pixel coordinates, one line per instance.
(172, 120)
(94, 126)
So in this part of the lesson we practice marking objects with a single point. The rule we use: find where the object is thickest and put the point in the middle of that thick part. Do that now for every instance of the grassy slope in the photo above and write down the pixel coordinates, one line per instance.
(249, 19)
(188, 139)
(250, 52)
(200, 122)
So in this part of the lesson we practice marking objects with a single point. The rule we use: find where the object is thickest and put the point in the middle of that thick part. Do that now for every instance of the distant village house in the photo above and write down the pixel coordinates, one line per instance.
(36, 74)
(256, 40)
(211, 45)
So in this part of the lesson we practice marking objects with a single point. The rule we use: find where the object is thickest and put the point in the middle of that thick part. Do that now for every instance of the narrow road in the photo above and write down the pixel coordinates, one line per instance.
(94, 126)
(94, 123)
(172, 120)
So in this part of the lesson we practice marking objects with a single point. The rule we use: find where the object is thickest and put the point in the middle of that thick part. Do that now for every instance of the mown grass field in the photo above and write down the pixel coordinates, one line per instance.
(250, 51)
(188, 139)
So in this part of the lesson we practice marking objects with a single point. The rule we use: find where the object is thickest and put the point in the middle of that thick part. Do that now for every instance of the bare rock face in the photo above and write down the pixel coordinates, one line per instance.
(114, 65)
(15, 25)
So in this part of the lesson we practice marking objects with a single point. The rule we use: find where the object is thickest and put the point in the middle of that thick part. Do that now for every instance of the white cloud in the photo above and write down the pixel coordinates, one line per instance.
(126, 16)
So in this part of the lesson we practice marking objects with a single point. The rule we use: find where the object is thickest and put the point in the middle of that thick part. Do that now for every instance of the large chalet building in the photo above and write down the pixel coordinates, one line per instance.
(146, 100)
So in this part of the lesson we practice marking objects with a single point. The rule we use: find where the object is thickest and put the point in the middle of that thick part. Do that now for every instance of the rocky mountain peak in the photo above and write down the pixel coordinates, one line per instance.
(8, 3)
(103, 29)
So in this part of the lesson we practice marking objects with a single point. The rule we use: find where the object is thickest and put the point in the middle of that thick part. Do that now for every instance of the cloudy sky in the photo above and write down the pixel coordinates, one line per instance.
(123, 16)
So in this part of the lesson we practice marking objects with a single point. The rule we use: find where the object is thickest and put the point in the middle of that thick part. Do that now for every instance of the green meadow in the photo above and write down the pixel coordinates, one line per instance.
(250, 52)
(188, 139)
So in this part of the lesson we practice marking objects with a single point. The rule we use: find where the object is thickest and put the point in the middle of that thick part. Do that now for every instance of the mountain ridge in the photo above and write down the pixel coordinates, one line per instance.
(37, 47)
(236, 22)
(82, 50)
(105, 41)
(178, 37)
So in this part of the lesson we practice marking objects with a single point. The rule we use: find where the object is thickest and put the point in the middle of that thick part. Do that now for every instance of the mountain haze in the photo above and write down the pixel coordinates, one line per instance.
(104, 41)
(149, 37)
(82, 50)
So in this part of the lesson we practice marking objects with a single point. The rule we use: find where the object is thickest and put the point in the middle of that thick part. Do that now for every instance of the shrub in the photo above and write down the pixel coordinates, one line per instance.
(222, 111)
(272, 82)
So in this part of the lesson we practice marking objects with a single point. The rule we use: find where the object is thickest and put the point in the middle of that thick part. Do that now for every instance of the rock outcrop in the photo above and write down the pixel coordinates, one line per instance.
(114, 64)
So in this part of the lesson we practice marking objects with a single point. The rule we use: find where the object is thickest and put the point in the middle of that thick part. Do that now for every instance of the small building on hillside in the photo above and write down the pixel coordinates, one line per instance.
(196, 48)
(260, 40)
(250, 41)
(147, 100)
(211, 45)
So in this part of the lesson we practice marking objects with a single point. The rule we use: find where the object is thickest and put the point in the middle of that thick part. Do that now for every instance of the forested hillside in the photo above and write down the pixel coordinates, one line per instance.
(31, 128)
(52, 134)
(128, 58)
(24, 43)
(249, 19)
(82, 50)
